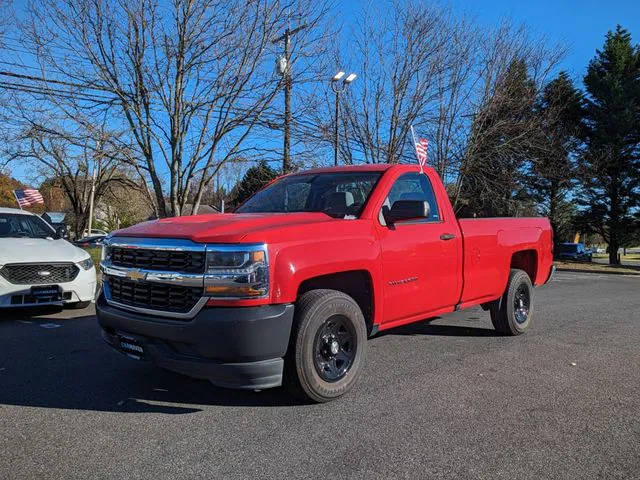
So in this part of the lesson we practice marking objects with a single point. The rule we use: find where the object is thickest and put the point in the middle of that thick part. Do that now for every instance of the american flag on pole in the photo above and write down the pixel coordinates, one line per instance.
(421, 151)
(27, 197)
(421, 145)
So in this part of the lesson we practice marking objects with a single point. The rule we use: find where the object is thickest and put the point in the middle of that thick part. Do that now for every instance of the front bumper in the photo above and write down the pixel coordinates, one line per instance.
(234, 347)
(81, 289)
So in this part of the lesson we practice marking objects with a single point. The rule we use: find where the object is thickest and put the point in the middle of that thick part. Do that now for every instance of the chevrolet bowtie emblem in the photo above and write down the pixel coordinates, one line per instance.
(136, 275)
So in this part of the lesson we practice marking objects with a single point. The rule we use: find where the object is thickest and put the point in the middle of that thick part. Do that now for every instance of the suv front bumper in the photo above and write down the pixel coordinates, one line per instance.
(234, 347)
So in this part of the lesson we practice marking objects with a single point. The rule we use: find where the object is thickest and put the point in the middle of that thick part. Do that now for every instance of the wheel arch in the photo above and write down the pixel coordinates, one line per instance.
(358, 284)
(526, 260)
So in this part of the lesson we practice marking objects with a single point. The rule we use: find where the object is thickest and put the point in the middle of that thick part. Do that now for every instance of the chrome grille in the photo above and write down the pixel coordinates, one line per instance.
(179, 261)
(40, 273)
(153, 296)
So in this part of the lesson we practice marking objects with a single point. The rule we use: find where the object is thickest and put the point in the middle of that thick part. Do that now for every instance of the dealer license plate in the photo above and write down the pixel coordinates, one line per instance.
(131, 347)
(48, 292)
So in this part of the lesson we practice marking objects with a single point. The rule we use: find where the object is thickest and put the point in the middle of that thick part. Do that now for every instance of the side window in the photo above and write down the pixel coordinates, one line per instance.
(413, 186)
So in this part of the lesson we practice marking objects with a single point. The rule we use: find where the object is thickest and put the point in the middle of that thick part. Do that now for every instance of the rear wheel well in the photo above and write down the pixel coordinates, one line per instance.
(356, 283)
(526, 260)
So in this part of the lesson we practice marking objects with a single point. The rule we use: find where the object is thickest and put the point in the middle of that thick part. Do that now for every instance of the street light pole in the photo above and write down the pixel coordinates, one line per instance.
(335, 129)
(338, 87)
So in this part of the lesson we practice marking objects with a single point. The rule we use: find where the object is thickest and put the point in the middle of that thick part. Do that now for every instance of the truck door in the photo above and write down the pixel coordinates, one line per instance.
(421, 259)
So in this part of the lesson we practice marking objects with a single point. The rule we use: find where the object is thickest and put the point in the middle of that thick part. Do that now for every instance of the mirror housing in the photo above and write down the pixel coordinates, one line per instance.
(406, 210)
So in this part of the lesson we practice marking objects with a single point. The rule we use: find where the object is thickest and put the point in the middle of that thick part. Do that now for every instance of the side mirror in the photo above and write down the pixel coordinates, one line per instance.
(406, 210)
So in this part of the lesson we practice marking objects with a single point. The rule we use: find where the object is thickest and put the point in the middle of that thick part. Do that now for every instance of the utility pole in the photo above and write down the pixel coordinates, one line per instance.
(284, 67)
(93, 187)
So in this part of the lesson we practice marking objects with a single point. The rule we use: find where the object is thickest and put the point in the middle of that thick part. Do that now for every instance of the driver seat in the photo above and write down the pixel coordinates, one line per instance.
(337, 203)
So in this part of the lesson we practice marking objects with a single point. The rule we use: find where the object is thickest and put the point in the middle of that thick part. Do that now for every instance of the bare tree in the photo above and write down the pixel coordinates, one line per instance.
(511, 68)
(68, 163)
(188, 80)
(398, 52)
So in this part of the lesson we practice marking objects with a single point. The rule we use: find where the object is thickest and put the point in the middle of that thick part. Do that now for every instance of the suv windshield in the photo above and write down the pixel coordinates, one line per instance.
(27, 226)
(340, 195)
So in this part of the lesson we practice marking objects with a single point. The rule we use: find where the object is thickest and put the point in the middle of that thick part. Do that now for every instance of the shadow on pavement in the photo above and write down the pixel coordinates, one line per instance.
(54, 362)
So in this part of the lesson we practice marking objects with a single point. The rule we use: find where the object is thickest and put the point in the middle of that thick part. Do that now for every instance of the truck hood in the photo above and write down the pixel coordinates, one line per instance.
(222, 228)
(38, 250)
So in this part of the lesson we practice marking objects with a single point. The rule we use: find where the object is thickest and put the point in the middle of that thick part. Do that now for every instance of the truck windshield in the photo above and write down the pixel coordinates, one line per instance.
(340, 195)
(29, 226)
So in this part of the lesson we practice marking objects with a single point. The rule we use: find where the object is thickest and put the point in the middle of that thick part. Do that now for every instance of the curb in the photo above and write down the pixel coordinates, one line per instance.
(603, 272)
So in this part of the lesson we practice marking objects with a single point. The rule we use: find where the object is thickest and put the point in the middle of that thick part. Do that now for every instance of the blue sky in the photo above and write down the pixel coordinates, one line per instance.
(580, 25)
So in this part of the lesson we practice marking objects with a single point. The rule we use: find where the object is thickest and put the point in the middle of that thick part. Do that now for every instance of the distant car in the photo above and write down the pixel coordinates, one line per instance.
(39, 268)
(90, 242)
(574, 251)
(94, 233)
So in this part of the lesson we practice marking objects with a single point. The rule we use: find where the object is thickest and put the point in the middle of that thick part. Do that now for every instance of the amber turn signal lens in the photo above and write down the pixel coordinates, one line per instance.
(257, 256)
(232, 291)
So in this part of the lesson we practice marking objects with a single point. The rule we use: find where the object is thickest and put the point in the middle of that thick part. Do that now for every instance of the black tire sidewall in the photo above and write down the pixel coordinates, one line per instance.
(311, 319)
(518, 278)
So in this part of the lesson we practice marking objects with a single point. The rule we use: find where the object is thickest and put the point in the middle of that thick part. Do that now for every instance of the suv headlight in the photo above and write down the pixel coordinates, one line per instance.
(237, 271)
(86, 264)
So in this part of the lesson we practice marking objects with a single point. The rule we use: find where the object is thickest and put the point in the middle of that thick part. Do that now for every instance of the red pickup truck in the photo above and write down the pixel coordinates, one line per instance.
(287, 289)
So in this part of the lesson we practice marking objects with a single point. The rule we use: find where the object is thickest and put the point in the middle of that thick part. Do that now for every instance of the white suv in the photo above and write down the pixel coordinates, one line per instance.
(39, 268)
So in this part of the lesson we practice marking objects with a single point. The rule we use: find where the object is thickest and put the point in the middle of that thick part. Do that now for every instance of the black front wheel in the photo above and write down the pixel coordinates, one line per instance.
(327, 347)
(511, 314)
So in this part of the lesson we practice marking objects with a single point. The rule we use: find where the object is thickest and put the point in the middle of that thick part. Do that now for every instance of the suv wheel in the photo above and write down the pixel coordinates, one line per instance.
(328, 346)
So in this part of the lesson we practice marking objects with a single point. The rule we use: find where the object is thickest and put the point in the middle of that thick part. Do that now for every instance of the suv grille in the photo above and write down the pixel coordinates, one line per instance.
(165, 260)
(39, 274)
(153, 296)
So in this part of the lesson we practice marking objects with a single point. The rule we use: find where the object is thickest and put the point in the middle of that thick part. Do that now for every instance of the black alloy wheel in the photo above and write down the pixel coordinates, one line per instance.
(521, 303)
(335, 348)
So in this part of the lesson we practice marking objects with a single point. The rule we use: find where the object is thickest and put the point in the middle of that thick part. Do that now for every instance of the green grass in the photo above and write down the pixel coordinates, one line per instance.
(630, 256)
(96, 254)
(596, 267)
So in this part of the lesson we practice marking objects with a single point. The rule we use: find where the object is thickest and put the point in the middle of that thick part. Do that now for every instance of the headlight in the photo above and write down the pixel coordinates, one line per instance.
(86, 264)
(237, 271)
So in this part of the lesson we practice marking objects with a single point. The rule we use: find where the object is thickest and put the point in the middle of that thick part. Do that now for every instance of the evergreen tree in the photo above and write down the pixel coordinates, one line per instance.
(552, 171)
(610, 170)
(254, 180)
(501, 137)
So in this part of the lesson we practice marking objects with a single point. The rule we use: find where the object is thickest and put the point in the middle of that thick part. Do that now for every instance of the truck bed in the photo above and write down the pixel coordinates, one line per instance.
(489, 251)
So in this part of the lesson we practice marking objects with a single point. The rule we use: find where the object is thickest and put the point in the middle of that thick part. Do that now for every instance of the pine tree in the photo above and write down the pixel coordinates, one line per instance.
(254, 180)
(501, 137)
(610, 170)
(552, 171)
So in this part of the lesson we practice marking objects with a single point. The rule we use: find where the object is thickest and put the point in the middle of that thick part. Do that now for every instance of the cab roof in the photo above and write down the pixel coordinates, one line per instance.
(367, 167)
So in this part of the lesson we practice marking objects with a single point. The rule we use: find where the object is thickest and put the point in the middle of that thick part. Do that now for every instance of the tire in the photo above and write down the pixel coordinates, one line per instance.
(506, 318)
(78, 305)
(327, 348)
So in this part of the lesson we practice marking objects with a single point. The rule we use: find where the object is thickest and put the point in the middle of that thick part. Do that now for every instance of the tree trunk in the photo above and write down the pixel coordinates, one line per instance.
(614, 245)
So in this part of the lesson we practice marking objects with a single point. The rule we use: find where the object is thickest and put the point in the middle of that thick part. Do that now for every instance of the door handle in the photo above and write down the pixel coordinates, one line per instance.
(447, 236)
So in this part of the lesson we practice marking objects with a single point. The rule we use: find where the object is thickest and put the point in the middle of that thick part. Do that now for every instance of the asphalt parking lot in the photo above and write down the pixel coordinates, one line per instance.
(445, 398)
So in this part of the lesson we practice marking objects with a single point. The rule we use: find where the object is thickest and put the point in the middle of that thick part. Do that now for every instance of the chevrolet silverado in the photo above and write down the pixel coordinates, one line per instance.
(287, 289)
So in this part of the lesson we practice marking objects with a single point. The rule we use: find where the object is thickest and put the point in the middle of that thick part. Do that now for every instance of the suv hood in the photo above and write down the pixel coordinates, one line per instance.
(38, 250)
(223, 228)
